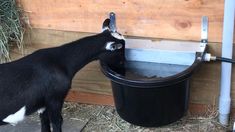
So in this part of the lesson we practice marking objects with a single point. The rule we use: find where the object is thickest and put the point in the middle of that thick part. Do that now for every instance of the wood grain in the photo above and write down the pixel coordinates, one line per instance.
(89, 98)
(168, 19)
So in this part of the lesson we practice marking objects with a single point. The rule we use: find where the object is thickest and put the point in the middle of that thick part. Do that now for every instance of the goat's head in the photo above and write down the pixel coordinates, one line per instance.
(114, 45)
(114, 40)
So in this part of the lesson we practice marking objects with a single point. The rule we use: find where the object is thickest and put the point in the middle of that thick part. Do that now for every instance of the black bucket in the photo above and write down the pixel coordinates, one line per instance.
(144, 99)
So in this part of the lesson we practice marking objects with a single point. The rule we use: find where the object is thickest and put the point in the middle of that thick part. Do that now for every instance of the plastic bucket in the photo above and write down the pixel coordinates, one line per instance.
(147, 93)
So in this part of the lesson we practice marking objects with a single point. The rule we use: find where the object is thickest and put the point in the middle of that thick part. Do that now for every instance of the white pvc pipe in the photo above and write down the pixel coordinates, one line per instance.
(226, 69)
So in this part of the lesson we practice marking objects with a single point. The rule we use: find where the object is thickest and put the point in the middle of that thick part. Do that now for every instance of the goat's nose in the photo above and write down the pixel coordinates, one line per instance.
(112, 23)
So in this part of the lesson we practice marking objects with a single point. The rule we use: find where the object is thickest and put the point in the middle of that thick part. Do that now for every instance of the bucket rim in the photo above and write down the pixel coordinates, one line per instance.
(156, 82)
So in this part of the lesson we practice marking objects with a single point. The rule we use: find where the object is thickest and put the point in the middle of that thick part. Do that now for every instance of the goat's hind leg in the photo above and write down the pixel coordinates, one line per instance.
(45, 122)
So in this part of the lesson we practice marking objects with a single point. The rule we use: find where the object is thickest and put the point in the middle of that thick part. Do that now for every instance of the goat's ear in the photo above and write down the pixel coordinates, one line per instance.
(106, 25)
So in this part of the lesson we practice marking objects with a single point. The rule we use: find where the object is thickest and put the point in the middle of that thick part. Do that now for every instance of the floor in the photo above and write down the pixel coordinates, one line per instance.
(31, 125)
(98, 118)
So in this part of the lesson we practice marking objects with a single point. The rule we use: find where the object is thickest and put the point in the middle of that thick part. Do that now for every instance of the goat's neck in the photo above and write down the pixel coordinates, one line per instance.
(77, 54)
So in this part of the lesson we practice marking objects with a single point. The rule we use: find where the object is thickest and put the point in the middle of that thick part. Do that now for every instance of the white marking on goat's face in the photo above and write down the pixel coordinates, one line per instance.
(41, 110)
(13, 119)
(112, 46)
(105, 28)
(109, 46)
(117, 36)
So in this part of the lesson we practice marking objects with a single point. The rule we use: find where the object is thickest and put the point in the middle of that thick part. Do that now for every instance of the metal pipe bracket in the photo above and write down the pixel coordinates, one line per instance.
(204, 31)
(112, 24)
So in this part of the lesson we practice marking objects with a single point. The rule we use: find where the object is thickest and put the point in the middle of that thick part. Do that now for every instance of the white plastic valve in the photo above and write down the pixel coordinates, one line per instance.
(208, 57)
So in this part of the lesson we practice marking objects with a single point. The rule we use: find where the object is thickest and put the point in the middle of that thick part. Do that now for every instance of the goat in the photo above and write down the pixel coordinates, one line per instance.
(41, 80)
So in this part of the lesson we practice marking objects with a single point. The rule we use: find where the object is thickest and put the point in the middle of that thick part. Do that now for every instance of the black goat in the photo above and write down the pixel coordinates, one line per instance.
(41, 80)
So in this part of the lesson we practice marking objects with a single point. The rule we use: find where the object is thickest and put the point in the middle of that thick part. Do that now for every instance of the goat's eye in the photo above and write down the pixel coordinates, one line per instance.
(113, 47)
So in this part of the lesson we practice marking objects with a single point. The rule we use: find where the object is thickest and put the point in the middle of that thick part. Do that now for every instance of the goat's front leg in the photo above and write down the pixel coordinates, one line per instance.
(45, 122)
(54, 112)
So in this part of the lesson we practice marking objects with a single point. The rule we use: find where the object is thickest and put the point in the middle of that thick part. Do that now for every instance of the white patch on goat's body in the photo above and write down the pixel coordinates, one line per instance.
(41, 110)
(118, 36)
(13, 119)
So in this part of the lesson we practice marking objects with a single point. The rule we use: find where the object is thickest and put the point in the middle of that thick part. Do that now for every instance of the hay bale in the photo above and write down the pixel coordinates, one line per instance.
(11, 28)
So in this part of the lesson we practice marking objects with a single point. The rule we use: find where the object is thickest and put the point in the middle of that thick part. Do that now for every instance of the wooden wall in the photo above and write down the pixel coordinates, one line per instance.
(168, 19)
(56, 22)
